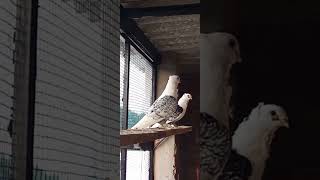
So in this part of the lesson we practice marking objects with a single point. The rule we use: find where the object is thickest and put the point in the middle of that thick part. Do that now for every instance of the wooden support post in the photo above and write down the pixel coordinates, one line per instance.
(164, 154)
(164, 160)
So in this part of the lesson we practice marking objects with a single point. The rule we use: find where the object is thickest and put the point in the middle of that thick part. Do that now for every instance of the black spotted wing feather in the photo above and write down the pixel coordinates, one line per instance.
(215, 146)
(166, 107)
(179, 110)
(238, 167)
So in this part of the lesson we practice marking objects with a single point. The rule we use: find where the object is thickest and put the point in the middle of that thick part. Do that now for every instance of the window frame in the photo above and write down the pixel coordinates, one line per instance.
(128, 43)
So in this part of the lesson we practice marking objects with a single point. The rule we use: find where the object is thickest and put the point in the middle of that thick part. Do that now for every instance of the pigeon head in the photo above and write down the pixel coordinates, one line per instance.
(171, 88)
(189, 97)
(279, 117)
(184, 100)
(186, 97)
(269, 116)
(174, 79)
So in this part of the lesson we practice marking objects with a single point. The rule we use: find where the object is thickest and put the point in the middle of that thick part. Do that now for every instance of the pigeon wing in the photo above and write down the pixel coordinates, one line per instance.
(215, 146)
(160, 110)
(165, 107)
(238, 167)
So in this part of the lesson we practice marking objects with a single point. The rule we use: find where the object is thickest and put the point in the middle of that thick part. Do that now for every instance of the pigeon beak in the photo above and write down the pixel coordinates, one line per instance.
(286, 123)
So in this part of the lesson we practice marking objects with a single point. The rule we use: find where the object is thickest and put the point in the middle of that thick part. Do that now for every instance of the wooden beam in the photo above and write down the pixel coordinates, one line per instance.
(135, 136)
(168, 30)
(185, 9)
(144, 3)
(173, 34)
(167, 27)
(177, 47)
(177, 41)
(168, 19)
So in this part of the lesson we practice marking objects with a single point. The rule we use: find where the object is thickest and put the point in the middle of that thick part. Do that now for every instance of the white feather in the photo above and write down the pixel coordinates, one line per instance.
(171, 88)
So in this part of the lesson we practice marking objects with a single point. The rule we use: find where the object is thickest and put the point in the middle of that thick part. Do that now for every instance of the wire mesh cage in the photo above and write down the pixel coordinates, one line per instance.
(123, 82)
(76, 132)
(8, 10)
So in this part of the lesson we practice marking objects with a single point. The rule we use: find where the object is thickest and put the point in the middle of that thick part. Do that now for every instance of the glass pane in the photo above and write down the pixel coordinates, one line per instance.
(140, 87)
(138, 164)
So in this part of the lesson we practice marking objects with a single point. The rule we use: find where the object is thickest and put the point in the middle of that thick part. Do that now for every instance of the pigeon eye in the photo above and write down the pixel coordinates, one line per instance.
(274, 116)
(232, 43)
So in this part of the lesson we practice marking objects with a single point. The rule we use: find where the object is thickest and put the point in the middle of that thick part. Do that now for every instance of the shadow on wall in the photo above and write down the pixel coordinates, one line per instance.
(189, 142)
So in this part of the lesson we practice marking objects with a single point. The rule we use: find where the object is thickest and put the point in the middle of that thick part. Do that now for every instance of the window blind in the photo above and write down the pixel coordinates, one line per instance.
(140, 87)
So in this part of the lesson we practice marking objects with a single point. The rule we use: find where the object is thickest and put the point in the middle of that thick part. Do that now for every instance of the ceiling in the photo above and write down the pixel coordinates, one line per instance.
(174, 33)
(155, 3)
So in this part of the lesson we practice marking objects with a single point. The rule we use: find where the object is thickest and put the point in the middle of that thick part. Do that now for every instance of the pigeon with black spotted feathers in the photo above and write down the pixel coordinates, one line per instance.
(165, 107)
(181, 111)
(183, 104)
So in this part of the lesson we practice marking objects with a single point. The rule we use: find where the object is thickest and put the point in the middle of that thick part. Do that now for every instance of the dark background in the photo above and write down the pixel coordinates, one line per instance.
(280, 49)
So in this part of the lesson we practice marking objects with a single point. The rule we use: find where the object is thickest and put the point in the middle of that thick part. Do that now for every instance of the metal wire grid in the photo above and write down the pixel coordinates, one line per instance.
(76, 133)
(123, 82)
(7, 49)
(124, 55)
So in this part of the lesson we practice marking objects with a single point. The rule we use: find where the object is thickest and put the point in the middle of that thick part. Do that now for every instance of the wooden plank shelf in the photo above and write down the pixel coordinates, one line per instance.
(135, 136)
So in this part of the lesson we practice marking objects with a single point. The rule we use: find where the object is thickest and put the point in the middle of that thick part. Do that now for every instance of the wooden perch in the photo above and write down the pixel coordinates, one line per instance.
(134, 136)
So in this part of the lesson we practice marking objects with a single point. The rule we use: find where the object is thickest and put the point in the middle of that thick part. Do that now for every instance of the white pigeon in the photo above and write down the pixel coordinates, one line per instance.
(183, 102)
(165, 107)
(254, 136)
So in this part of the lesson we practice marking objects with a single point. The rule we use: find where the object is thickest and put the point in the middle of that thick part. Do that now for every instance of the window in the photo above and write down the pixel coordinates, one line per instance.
(136, 96)
(140, 87)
